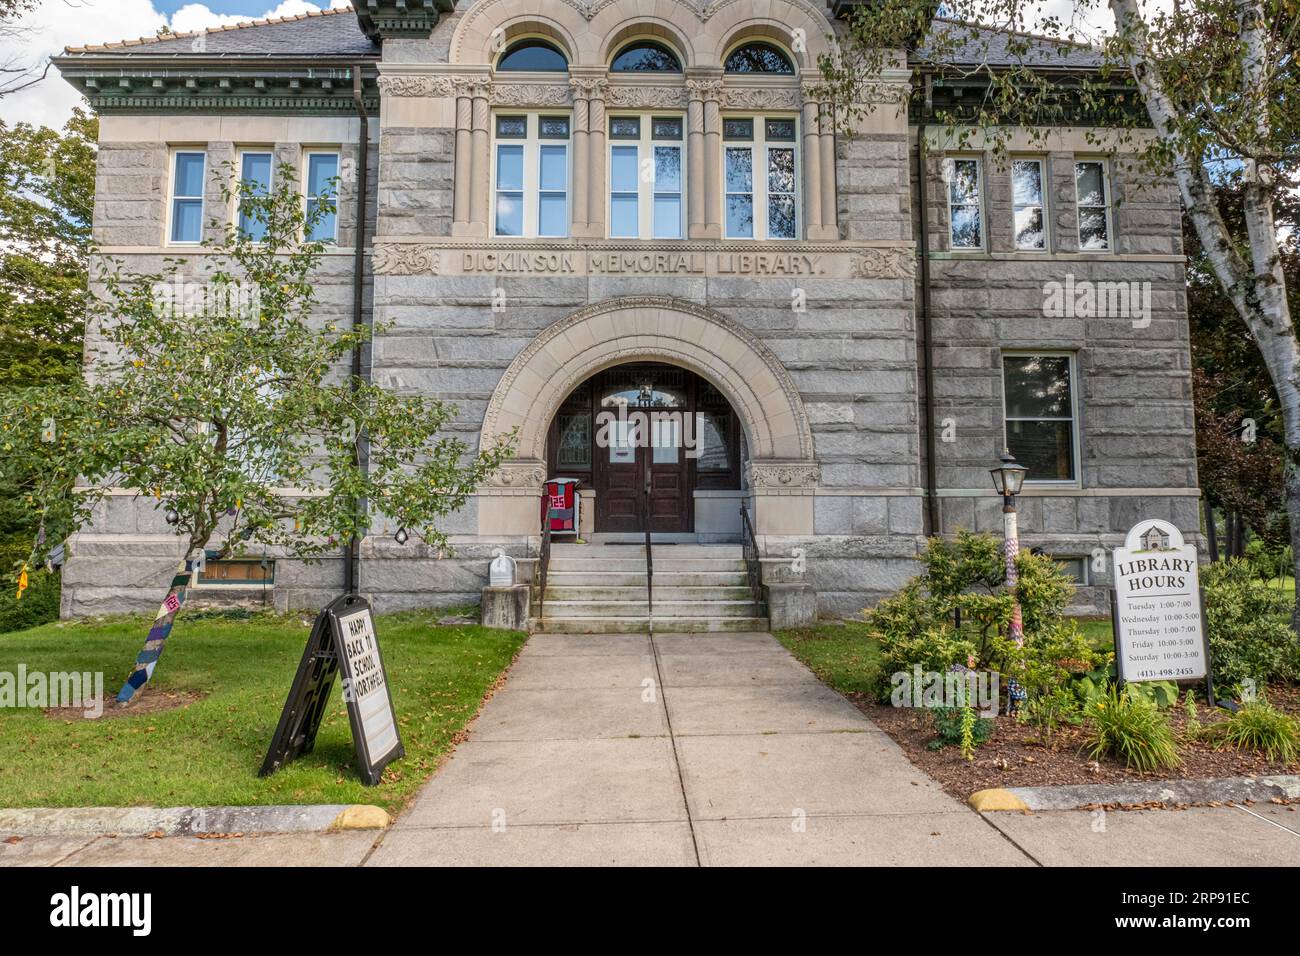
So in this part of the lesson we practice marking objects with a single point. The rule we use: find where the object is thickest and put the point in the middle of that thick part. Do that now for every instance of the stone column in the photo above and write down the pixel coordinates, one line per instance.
(712, 93)
(696, 159)
(463, 166)
(812, 168)
(830, 213)
(582, 161)
(596, 158)
(480, 187)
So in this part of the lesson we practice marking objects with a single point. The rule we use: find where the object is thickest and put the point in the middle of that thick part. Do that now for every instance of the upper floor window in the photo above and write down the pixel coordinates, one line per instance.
(645, 177)
(255, 173)
(533, 56)
(1027, 204)
(965, 202)
(760, 176)
(646, 56)
(759, 57)
(1038, 395)
(322, 188)
(1092, 194)
(531, 175)
(188, 168)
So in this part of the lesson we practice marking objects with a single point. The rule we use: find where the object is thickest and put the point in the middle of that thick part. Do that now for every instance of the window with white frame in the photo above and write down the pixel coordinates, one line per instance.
(255, 172)
(188, 173)
(1028, 210)
(760, 175)
(965, 202)
(1038, 396)
(531, 175)
(322, 191)
(646, 156)
(1092, 196)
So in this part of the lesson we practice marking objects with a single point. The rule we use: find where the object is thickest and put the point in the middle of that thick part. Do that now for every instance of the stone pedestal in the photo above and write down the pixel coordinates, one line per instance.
(791, 605)
(506, 608)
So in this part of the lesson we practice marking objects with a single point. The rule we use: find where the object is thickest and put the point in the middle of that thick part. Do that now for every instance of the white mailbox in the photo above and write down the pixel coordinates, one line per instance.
(501, 573)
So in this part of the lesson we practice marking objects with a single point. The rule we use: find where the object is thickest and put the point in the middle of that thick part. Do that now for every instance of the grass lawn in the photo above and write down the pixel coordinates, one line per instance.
(208, 753)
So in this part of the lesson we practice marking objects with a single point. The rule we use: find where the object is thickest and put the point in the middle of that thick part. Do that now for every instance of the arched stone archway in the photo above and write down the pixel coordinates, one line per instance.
(738, 364)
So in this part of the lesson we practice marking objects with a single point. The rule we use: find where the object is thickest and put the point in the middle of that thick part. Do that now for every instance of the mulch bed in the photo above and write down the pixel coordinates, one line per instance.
(1015, 757)
(148, 701)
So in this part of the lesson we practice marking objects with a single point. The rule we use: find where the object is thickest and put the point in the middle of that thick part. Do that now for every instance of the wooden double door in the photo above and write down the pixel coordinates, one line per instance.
(645, 437)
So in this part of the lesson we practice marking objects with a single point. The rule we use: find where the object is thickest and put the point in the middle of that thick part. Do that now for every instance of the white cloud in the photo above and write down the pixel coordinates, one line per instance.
(56, 24)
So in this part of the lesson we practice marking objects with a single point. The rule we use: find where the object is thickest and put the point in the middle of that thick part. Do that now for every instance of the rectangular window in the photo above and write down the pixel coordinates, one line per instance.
(531, 176)
(187, 196)
(761, 176)
(965, 192)
(1092, 195)
(322, 197)
(1027, 204)
(247, 572)
(645, 177)
(1038, 396)
(255, 172)
(1076, 568)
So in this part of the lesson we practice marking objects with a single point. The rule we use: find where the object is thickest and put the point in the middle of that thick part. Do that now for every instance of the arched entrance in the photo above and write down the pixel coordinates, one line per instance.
(656, 444)
(780, 467)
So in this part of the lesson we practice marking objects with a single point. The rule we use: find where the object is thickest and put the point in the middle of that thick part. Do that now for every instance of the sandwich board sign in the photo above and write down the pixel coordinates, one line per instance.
(342, 639)
(1157, 613)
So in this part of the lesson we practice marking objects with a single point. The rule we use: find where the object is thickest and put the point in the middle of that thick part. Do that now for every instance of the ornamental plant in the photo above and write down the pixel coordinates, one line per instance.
(220, 397)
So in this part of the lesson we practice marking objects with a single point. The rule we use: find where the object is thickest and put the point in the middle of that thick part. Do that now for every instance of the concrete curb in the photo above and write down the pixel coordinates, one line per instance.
(190, 821)
(1170, 793)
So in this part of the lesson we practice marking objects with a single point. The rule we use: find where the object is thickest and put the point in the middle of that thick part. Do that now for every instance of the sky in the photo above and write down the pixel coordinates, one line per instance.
(56, 24)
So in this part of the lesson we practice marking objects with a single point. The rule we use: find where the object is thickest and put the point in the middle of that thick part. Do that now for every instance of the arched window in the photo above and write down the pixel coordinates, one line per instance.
(758, 57)
(646, 56)
(533, 56)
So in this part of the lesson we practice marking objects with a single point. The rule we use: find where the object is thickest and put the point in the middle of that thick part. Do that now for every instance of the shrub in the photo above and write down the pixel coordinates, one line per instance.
(1048, 711)
(957, 612)
(1133, 730)
(39, 604)
(961, 727)
(1261, 726)
(1248, 625)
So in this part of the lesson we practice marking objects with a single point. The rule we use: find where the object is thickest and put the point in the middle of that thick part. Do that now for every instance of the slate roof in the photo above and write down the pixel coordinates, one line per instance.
(327, 33)
(993, 46)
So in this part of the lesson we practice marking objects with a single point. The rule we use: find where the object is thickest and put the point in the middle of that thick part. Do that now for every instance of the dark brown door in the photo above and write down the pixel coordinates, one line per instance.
(641, 467)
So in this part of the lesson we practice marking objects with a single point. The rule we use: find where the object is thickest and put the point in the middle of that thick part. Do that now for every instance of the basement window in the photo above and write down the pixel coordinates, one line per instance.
(237, 572)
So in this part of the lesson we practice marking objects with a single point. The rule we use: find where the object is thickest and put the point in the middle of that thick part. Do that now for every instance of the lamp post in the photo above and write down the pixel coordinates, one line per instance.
(1008, 477)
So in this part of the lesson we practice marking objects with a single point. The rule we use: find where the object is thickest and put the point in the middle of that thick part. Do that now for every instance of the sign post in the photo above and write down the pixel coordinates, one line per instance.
(1157, 613)
(342, 639)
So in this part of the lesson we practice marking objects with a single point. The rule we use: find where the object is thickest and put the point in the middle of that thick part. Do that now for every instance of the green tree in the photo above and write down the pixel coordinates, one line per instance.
(1212, 84)
(224, 400)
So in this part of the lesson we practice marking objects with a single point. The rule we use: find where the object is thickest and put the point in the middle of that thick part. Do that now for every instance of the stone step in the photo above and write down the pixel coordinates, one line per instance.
(667, 579)
(585, 563)
(639, 625)
(634, 592)
(673, 565)
(668, 610)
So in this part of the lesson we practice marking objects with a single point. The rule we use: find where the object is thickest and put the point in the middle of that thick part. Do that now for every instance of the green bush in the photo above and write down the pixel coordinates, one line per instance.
(957, 612)
(1248, 623)
(1261, 726)
(1269, 560)
(960, 727)
(39, 604)
(1133, 730)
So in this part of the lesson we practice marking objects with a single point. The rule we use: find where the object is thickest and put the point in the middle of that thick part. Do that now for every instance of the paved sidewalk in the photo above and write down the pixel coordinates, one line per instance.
(695, 750)
(682, 750)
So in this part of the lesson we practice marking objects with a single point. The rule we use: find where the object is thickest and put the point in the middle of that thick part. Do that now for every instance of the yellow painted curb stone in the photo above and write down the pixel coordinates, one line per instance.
(986, 801)
(361, 816)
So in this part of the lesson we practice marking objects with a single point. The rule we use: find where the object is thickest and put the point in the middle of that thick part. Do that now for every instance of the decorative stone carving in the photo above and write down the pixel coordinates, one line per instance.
(761, 98)
(647, 97)
(405, 259)
(790, 476)
(892, 263)
(530, 94)
(705, 89)
(521, 476)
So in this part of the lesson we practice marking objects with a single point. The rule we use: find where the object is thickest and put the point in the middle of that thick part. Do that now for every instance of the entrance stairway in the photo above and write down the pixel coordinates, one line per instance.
(601, 589)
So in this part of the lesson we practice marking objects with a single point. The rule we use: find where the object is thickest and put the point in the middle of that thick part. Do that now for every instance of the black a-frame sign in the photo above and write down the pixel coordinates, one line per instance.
(342, 639)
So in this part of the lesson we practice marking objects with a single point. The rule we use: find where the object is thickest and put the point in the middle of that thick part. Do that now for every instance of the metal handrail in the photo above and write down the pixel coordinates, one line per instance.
(649, 566)
(749, 549)
(543, 560)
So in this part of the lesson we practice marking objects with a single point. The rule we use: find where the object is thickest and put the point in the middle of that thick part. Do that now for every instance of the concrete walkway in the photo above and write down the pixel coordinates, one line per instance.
(693, 750)
(681, 750)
